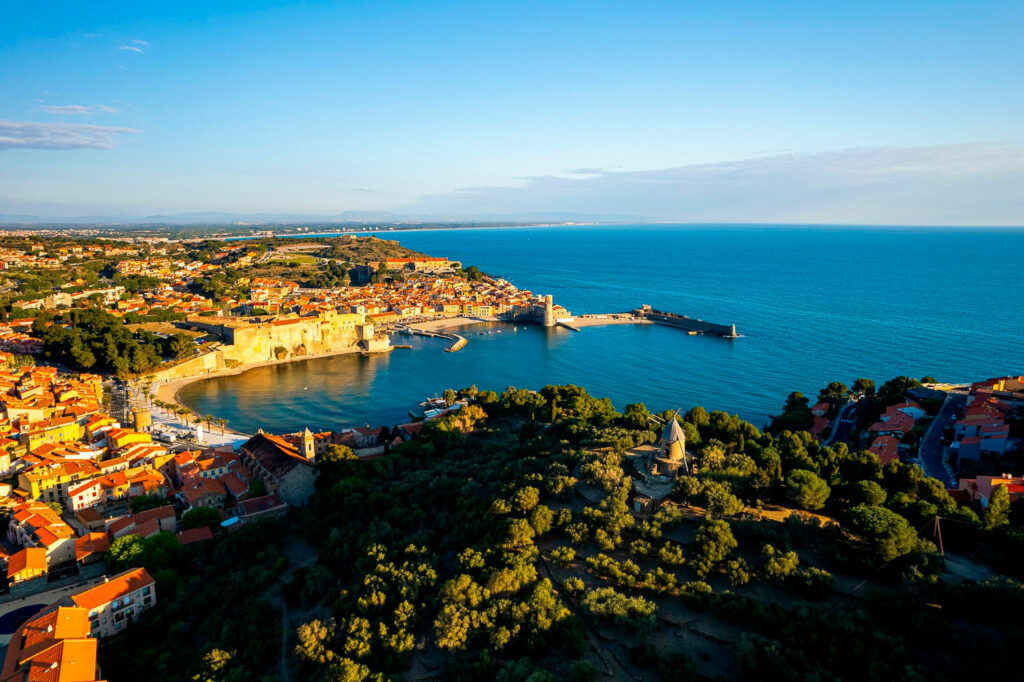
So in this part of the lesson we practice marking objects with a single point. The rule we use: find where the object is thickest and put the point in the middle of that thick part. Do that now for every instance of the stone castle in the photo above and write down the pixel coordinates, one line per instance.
(255, 340)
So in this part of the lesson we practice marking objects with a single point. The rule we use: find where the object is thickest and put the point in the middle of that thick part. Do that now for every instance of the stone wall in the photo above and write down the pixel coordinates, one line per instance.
(204, 364)
(255, 342)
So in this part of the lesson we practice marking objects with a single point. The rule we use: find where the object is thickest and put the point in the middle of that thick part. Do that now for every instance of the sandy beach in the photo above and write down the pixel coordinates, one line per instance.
(450, 323)
(169, 391)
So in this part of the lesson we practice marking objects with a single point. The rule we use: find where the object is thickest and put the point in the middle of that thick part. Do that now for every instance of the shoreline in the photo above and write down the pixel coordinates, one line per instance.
(170, 391)
(450, 323)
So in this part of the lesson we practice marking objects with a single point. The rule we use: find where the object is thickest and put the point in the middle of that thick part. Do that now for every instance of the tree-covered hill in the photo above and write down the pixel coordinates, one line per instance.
(502, 544)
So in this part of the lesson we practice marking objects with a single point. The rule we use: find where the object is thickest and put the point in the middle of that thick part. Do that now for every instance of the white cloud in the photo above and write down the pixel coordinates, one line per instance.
(32, 135)
(140, 42)
(130, 48)
(79, 109)
(966, 184)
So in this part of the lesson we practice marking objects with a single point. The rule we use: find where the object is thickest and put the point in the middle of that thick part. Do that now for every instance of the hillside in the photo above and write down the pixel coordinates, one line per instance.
(504, 544)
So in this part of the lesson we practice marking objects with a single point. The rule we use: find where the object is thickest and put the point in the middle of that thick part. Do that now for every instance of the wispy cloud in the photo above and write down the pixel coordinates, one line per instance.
(135, 45)
(966, 184)
(79, 109)
(32, 135)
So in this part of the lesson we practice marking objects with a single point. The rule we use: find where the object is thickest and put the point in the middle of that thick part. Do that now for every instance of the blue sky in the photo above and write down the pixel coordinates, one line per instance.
(886, 112)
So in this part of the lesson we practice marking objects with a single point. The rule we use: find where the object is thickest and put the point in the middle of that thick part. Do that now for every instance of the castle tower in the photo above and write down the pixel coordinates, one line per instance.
(308, 446)
(549, 311)
(141, 420)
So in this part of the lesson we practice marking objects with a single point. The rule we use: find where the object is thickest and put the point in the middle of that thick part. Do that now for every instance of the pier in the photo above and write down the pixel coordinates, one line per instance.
(458, 342)
(643, 315)
(648, 315)
(689, 324)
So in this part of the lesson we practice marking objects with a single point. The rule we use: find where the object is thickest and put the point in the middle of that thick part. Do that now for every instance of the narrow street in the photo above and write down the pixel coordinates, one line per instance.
(931, 452)
(846, 420)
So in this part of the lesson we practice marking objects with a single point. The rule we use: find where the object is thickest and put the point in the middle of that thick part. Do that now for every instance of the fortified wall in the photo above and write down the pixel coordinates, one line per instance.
(248, 342)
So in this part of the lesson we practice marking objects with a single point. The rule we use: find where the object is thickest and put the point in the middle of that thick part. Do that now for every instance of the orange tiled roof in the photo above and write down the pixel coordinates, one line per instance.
(28, 559)
(118, 586)
(92, 543)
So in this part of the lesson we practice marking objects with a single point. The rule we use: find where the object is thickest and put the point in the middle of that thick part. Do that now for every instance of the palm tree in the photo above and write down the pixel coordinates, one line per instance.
(181, 412)
(209, 421)
(223, 422)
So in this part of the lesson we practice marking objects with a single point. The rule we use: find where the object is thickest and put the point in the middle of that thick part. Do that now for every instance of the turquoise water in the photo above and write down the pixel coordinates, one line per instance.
(814, 304)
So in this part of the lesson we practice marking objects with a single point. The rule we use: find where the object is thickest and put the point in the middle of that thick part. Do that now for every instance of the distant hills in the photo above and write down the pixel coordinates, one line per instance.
(357, 217)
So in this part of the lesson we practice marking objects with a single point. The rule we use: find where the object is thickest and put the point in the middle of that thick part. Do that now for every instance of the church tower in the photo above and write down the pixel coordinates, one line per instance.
(308, 445)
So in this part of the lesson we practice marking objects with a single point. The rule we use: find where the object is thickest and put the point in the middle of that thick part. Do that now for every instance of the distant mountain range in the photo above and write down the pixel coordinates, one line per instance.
(358, 217)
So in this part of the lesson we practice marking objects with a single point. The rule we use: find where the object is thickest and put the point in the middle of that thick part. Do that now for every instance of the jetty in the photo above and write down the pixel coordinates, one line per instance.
(458, 342)
(647, 315)
(556, 316)
(689, 324)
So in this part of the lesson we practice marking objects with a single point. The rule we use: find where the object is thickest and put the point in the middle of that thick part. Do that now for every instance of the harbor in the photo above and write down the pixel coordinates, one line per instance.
(437, 328)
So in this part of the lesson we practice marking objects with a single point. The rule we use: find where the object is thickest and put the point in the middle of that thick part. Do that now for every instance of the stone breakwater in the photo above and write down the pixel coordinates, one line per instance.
(647, 315)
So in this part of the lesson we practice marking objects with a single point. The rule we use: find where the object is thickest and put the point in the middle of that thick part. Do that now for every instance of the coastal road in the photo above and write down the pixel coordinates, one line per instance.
(846, 421)
(931, 452)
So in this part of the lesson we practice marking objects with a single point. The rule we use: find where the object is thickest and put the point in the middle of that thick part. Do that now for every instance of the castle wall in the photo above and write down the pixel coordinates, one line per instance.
(298, 336)
(203, 364)
(247, 344)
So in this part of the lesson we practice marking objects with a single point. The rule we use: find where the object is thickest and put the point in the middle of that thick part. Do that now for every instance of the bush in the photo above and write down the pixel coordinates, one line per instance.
(671, 554)
(714, 541)
(868, 492)
(887, 533)
(608, 603)
(578, 532)
(574, 585)
(737, 571)
(563, 556)
(640, 548)
(806, 490)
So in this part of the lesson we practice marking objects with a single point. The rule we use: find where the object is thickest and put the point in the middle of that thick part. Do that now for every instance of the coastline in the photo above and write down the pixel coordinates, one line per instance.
(170, 391)
(450, 323)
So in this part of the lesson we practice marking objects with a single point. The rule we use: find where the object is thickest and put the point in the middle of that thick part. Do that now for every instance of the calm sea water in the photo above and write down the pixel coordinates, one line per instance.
(814, 305)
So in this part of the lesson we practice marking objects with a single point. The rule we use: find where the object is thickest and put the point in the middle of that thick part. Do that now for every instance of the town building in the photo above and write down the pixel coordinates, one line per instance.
(117, 601)
(27, 564)
(53, 646)
(286, 469)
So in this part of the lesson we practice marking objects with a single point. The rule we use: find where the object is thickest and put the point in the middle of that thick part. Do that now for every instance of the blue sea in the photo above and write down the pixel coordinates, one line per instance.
(814, 304)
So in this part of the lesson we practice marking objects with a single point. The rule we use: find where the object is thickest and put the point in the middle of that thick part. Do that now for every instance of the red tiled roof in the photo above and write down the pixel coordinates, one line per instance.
(30, 558)
(91, 543)
(187, 537)
(118, 586)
